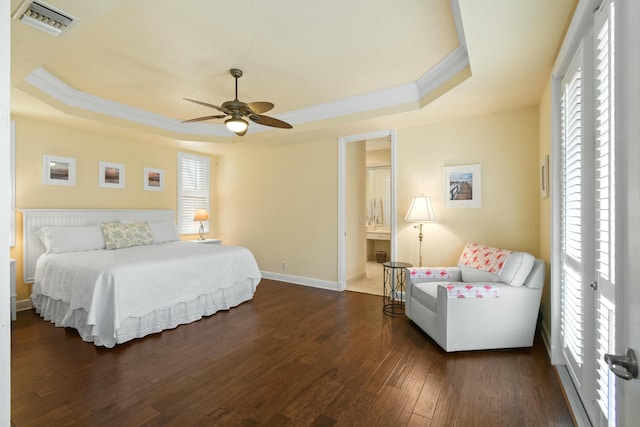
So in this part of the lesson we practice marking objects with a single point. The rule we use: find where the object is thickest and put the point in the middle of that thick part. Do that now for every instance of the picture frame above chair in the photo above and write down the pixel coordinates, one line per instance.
(462, 186)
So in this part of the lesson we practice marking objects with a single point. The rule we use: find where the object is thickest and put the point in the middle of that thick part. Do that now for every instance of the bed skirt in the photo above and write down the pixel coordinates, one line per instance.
(58, 312)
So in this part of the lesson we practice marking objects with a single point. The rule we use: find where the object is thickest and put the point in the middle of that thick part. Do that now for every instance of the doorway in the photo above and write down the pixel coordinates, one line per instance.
(366, 210)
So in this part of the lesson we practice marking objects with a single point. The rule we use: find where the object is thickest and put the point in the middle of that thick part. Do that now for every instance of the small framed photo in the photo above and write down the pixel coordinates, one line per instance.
(544, 177)
(58, 170)
(153, 179)
(462, 186)
(111, 175)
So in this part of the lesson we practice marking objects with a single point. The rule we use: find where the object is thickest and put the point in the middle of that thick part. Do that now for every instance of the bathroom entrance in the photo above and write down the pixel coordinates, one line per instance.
(369, 195)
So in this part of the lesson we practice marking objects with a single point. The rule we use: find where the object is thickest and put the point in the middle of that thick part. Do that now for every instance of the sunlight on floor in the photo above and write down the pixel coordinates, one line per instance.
(372, 283)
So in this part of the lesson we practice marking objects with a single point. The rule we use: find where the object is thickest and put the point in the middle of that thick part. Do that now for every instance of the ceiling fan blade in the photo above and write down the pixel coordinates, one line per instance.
(201, 119)
(269, 121)
(206, 104)
(260, 107)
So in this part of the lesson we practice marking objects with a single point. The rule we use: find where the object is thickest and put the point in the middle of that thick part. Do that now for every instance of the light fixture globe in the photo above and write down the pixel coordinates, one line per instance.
(236, 124)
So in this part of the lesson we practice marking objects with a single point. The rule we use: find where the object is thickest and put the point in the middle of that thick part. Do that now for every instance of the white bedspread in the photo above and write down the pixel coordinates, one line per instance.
(112, 286)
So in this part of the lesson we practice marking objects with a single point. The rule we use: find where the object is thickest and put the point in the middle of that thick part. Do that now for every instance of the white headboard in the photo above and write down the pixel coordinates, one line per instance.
(34, 219)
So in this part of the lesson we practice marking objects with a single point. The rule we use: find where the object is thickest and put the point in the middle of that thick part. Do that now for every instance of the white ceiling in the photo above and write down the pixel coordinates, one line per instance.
(330, 67)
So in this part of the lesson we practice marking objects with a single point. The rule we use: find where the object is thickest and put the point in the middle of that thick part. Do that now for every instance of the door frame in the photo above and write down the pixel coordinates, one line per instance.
(342, 194)
(627, 186)
(5, 138)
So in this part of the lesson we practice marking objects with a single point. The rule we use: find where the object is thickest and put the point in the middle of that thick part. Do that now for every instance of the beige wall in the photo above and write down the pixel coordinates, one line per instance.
(378, 157)
(36, 138)
(545, 204)
(506, 146)
(356, 212)
(281, 201)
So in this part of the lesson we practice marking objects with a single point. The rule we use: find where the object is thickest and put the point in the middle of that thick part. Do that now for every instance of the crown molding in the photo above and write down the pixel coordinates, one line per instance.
(63, 93)
(444, 70)
(408, 94)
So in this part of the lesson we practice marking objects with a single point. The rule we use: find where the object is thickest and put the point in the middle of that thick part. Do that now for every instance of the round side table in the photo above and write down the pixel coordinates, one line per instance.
(394, 287)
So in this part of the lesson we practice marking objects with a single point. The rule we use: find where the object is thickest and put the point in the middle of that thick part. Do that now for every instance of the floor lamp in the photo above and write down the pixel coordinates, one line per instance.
(421, 211)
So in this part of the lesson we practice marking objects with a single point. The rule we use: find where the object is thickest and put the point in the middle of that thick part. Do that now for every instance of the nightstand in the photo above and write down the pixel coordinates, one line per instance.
(208, 241)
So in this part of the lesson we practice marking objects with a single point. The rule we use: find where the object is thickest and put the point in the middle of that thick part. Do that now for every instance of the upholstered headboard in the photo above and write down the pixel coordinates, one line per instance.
(34, 219)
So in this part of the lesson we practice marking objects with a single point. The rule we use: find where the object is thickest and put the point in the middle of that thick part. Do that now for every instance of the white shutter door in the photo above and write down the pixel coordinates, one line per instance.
(605, 211)
(572, 319)
(588, 220)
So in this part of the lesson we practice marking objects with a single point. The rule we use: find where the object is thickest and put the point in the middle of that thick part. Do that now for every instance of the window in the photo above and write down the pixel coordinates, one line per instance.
(193, 191)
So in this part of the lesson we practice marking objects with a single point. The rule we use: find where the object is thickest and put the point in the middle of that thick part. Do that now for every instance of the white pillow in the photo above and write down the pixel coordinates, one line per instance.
(517, 268)
(164, 231)
(58, 240)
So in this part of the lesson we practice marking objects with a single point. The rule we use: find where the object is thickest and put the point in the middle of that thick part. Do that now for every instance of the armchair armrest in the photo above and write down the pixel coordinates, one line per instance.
(434, 274)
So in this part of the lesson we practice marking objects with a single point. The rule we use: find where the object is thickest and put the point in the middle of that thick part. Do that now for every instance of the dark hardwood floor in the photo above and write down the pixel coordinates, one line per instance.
(293, 356)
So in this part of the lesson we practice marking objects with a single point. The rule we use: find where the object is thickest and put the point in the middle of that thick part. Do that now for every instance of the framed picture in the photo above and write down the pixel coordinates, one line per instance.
(153, 179)
(58, 170)
(111, 175)
(544, 177)
(462, 186)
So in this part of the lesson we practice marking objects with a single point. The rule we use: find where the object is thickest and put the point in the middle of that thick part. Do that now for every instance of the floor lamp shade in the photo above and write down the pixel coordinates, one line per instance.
(421, 211)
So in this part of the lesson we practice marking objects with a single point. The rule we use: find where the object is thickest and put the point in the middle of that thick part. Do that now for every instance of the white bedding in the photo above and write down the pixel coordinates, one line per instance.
(105, 293)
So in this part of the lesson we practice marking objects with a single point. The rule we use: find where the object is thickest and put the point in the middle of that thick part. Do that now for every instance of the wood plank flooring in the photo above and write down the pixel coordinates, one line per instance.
(293, 356)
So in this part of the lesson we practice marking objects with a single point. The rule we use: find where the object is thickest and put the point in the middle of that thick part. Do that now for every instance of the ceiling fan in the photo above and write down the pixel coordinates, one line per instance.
(238, 109)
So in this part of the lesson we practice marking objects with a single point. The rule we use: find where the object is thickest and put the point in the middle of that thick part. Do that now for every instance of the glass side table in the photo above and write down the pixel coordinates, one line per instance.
(394, 287)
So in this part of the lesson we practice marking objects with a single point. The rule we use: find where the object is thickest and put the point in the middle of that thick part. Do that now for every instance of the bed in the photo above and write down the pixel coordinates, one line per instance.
(117, 275)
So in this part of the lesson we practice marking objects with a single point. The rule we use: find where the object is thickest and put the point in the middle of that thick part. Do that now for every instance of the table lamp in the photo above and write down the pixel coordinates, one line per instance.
(201, 215)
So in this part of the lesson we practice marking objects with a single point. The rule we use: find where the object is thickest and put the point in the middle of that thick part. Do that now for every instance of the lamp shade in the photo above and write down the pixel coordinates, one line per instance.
(201, 215)
(421, 210)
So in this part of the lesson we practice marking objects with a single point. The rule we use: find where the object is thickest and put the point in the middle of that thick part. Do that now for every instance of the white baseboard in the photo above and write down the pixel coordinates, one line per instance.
(314, 283)
(546, 337)
(24, 304)
(578, 413)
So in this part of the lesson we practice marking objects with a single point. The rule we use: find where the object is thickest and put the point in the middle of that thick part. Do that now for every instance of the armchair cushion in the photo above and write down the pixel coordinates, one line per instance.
(512, 267)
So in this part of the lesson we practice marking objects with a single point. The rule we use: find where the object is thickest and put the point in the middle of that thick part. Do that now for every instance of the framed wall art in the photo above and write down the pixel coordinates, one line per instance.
(462, 186)
(153, 179)
(58, 170)
(544, 177)
(111, 175)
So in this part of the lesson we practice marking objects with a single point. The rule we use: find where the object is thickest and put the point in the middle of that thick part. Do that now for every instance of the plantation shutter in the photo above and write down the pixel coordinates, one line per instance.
(572, 321)
(193, 191)
(587, 218)
(605, 208)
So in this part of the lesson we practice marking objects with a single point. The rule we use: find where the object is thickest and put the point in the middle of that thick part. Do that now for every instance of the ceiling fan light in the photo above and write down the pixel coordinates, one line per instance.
(237, 125)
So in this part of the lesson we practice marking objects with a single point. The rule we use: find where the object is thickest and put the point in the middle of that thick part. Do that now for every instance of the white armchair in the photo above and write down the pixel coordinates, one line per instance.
(490, 300)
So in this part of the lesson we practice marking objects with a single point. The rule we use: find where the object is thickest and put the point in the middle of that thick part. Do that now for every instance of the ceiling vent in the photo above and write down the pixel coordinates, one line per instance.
(46, 18)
